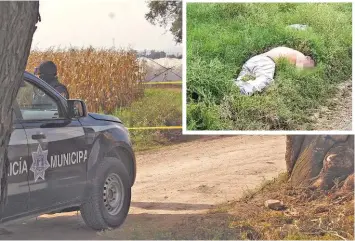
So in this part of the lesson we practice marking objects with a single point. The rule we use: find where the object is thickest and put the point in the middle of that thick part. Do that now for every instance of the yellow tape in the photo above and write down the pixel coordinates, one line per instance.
(162, 83)
(155, 128)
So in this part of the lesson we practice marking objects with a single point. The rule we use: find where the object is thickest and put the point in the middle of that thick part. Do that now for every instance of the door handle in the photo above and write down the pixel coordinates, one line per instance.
(38, 136)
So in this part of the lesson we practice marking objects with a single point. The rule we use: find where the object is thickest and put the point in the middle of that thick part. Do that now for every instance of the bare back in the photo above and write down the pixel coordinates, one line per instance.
(293, 56)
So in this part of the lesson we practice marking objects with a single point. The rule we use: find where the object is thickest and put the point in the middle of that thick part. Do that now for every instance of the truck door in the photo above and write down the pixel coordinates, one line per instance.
(17, 187)
(57, 151)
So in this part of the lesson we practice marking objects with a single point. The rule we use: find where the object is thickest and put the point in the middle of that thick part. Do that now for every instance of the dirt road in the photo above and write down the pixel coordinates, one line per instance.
(172, 184)
(338, 116)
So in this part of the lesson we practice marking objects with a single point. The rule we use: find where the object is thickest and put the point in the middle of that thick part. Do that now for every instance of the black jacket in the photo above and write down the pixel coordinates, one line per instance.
(54, 82)
(48, 73)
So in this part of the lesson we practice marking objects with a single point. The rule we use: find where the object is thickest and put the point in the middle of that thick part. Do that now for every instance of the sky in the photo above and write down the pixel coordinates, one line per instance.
(101, 24)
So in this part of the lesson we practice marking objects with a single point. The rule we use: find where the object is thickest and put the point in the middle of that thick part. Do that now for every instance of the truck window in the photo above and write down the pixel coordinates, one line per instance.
(35, 104)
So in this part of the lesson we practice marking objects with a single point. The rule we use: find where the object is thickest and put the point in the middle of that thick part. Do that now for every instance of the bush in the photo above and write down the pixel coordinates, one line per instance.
(222, 36)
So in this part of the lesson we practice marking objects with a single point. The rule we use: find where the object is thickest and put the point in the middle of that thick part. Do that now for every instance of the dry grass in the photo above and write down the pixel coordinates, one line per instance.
(104, 79)
(309, 215)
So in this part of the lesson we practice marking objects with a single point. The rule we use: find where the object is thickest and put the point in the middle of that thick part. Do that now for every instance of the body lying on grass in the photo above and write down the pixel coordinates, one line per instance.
(258, 72)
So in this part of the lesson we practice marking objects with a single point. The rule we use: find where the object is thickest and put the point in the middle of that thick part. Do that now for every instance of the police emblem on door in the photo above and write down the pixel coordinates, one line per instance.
(40, 163)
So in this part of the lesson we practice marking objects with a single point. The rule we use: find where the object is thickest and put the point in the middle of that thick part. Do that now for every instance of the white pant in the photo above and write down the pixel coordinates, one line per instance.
(262, 68)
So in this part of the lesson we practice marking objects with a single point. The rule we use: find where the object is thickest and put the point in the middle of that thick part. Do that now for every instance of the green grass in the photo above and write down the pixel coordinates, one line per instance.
(158, 107)
(222, 36)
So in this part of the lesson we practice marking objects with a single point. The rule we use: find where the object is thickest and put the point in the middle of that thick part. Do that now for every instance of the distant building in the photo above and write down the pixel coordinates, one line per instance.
(161, 70)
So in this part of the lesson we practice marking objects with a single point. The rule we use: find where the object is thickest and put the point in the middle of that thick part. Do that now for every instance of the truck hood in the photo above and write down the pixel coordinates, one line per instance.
(105, 117)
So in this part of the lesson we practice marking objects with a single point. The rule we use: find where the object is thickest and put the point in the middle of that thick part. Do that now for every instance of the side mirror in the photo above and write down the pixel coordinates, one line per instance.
(77, 108)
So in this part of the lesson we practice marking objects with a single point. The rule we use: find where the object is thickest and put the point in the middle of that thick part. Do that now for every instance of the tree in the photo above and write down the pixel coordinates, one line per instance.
(321, 162)
(167, 13)
(17, 26)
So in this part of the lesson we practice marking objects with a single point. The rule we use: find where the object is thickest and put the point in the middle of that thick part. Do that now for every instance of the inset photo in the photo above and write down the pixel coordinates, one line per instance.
(268, 66)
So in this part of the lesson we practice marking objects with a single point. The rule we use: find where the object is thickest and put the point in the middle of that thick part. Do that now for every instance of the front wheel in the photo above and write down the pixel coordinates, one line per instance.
(110, 197)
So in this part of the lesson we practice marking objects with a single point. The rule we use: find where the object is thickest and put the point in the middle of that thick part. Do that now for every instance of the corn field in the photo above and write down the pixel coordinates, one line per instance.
(104, 79)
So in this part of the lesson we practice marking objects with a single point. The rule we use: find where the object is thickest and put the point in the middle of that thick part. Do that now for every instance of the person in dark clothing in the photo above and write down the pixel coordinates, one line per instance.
(47, 71)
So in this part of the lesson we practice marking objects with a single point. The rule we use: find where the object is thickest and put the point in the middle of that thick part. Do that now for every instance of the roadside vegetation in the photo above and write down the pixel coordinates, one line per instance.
(307, 215)
(157, 108)
(222, 36)
(108, 81)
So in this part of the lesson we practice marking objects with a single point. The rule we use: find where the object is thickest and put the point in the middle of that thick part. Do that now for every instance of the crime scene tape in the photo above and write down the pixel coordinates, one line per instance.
(162, 83)
(155, 128)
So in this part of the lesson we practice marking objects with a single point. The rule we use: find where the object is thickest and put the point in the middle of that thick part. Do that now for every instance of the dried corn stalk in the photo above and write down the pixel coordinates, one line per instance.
(104, 79)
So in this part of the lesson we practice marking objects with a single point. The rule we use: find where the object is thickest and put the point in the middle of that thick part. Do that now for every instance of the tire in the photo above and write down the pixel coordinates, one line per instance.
(98, 212)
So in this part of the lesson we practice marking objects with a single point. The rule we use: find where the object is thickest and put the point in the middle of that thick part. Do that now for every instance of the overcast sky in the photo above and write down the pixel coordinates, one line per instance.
(100, 23)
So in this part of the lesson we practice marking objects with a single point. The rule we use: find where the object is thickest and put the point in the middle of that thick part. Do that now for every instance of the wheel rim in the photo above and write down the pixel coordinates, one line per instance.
(113, 194)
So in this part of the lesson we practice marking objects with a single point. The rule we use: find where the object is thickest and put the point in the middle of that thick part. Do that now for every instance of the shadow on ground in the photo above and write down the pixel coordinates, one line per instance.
(170, 206)
(137, 226)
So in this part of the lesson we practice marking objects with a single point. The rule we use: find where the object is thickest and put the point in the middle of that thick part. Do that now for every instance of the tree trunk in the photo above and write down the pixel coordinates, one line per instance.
(321, 162)
(17, 26)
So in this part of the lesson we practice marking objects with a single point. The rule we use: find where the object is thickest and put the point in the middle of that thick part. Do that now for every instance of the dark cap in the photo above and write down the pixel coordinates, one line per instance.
(47, 68)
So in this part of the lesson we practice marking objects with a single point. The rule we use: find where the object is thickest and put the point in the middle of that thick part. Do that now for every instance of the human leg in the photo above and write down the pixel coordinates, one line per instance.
(264, 70)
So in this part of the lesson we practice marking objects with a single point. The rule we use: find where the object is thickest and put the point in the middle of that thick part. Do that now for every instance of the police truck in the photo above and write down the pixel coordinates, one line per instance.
(63, 158)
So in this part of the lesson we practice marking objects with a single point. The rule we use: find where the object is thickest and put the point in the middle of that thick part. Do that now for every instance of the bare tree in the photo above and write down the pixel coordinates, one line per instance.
(17, 26)
(321, 162)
